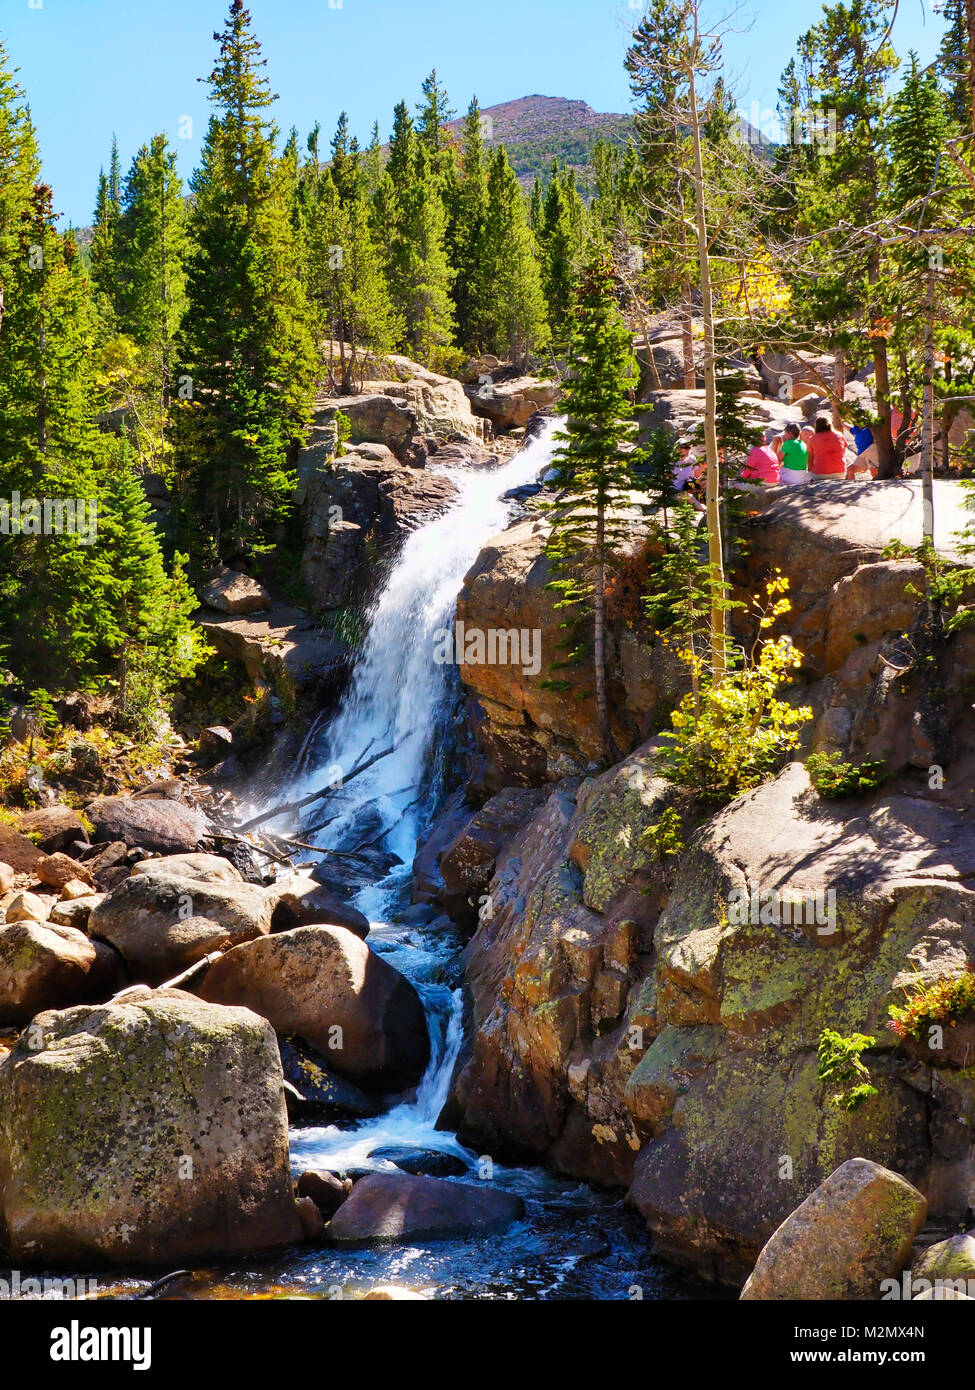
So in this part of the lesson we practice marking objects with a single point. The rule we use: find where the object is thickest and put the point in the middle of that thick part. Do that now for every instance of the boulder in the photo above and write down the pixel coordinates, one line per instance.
(201, 868)
(400, 1207)
(326, 986)
(150, 1131)
(284, 645)
(54, 827)
(948, 1259)
(301, 902)
(853, 1231)
(75, 912)
(159, 825)
(145, 919)
(327, 1190)
(58, 869)
(47, 966)
(232, 592)
(28, 907)
(868, 604)
(7, 877)
(17, 851)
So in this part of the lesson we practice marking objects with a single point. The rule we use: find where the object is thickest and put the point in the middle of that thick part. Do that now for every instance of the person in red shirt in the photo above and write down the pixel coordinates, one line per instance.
(761, 466)
(827, 451)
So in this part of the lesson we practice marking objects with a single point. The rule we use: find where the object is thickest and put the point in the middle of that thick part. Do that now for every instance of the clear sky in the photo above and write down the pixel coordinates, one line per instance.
(91, 67)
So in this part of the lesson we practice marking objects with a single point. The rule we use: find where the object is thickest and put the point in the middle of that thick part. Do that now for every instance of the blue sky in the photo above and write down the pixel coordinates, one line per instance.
(91, 67)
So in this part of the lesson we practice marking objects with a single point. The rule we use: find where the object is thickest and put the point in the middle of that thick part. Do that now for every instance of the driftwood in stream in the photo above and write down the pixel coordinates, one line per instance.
(287, 807)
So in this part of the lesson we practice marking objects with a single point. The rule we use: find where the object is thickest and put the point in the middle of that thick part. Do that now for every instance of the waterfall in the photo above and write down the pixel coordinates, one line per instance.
(398, 693)
(399, 696)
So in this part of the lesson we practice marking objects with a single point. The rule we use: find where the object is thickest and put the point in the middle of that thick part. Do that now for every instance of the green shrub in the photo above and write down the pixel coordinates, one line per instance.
(839, 1063)
(834, 778)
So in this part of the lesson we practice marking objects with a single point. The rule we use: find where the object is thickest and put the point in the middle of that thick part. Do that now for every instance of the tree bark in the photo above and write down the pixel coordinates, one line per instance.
(927, 413)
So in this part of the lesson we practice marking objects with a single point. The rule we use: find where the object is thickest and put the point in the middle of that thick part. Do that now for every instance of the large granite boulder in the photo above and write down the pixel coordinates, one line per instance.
(150, 1131)
(849, 1235)
(48, 966)
(400, 1207)
(325, 985)
(157, 824)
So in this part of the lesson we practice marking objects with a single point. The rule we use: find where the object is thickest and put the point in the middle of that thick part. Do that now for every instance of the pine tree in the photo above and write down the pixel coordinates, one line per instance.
(413, 224)
(153, 251)
(347, 284)
(510, 303)
(345, 160)
(248, 358)
(105, 251)
(468, 233)
(434, 115)
(595, 466)
(559, 243)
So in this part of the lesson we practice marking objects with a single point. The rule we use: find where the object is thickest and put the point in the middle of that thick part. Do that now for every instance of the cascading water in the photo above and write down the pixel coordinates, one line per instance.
(574, 1242)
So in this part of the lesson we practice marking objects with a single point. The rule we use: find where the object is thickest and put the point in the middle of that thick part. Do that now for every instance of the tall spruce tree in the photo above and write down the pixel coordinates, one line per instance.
(595, 470)
(248, 361)
(510, 304)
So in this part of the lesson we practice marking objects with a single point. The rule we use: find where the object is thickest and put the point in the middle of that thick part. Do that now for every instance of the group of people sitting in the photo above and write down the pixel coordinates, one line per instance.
(789, 456)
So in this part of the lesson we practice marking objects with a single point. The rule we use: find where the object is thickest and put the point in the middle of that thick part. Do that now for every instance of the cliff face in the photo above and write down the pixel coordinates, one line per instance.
(627, 1028)
(631, 1023)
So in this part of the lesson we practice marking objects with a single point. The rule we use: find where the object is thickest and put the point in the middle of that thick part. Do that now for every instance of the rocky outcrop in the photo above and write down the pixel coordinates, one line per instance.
(509, 403)
(144, 1132)
(629, 1023)
(53, 827)
(356, 510)
(284, 648)
(326, 986)
(854, 1231)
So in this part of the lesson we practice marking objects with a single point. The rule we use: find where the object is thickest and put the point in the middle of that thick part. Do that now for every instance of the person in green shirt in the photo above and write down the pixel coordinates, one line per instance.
(794, 457)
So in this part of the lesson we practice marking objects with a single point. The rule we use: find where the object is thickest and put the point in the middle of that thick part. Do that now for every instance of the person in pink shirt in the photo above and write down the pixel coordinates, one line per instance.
(827, 451)
(761, 466)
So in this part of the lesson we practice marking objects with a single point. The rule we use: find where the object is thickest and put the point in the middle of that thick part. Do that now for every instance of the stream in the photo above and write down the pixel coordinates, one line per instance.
(573, 1242)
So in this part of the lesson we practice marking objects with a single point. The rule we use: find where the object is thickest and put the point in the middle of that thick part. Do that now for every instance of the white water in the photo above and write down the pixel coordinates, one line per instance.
(398, 697)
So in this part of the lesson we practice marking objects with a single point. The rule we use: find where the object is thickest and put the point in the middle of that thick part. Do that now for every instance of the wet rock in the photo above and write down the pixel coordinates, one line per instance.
(323, 1097)
(214, 743)
(430, 1163)
(145, 919)
(399, 1207)
(232, 592)
(326, 986)
(855, 1230)
(428, 882)
(301, 902)
(327, 1190)
(47, 966)
(178, 1136)
(58, 869)
(56, 827)
(157, 824)
(467, 863)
